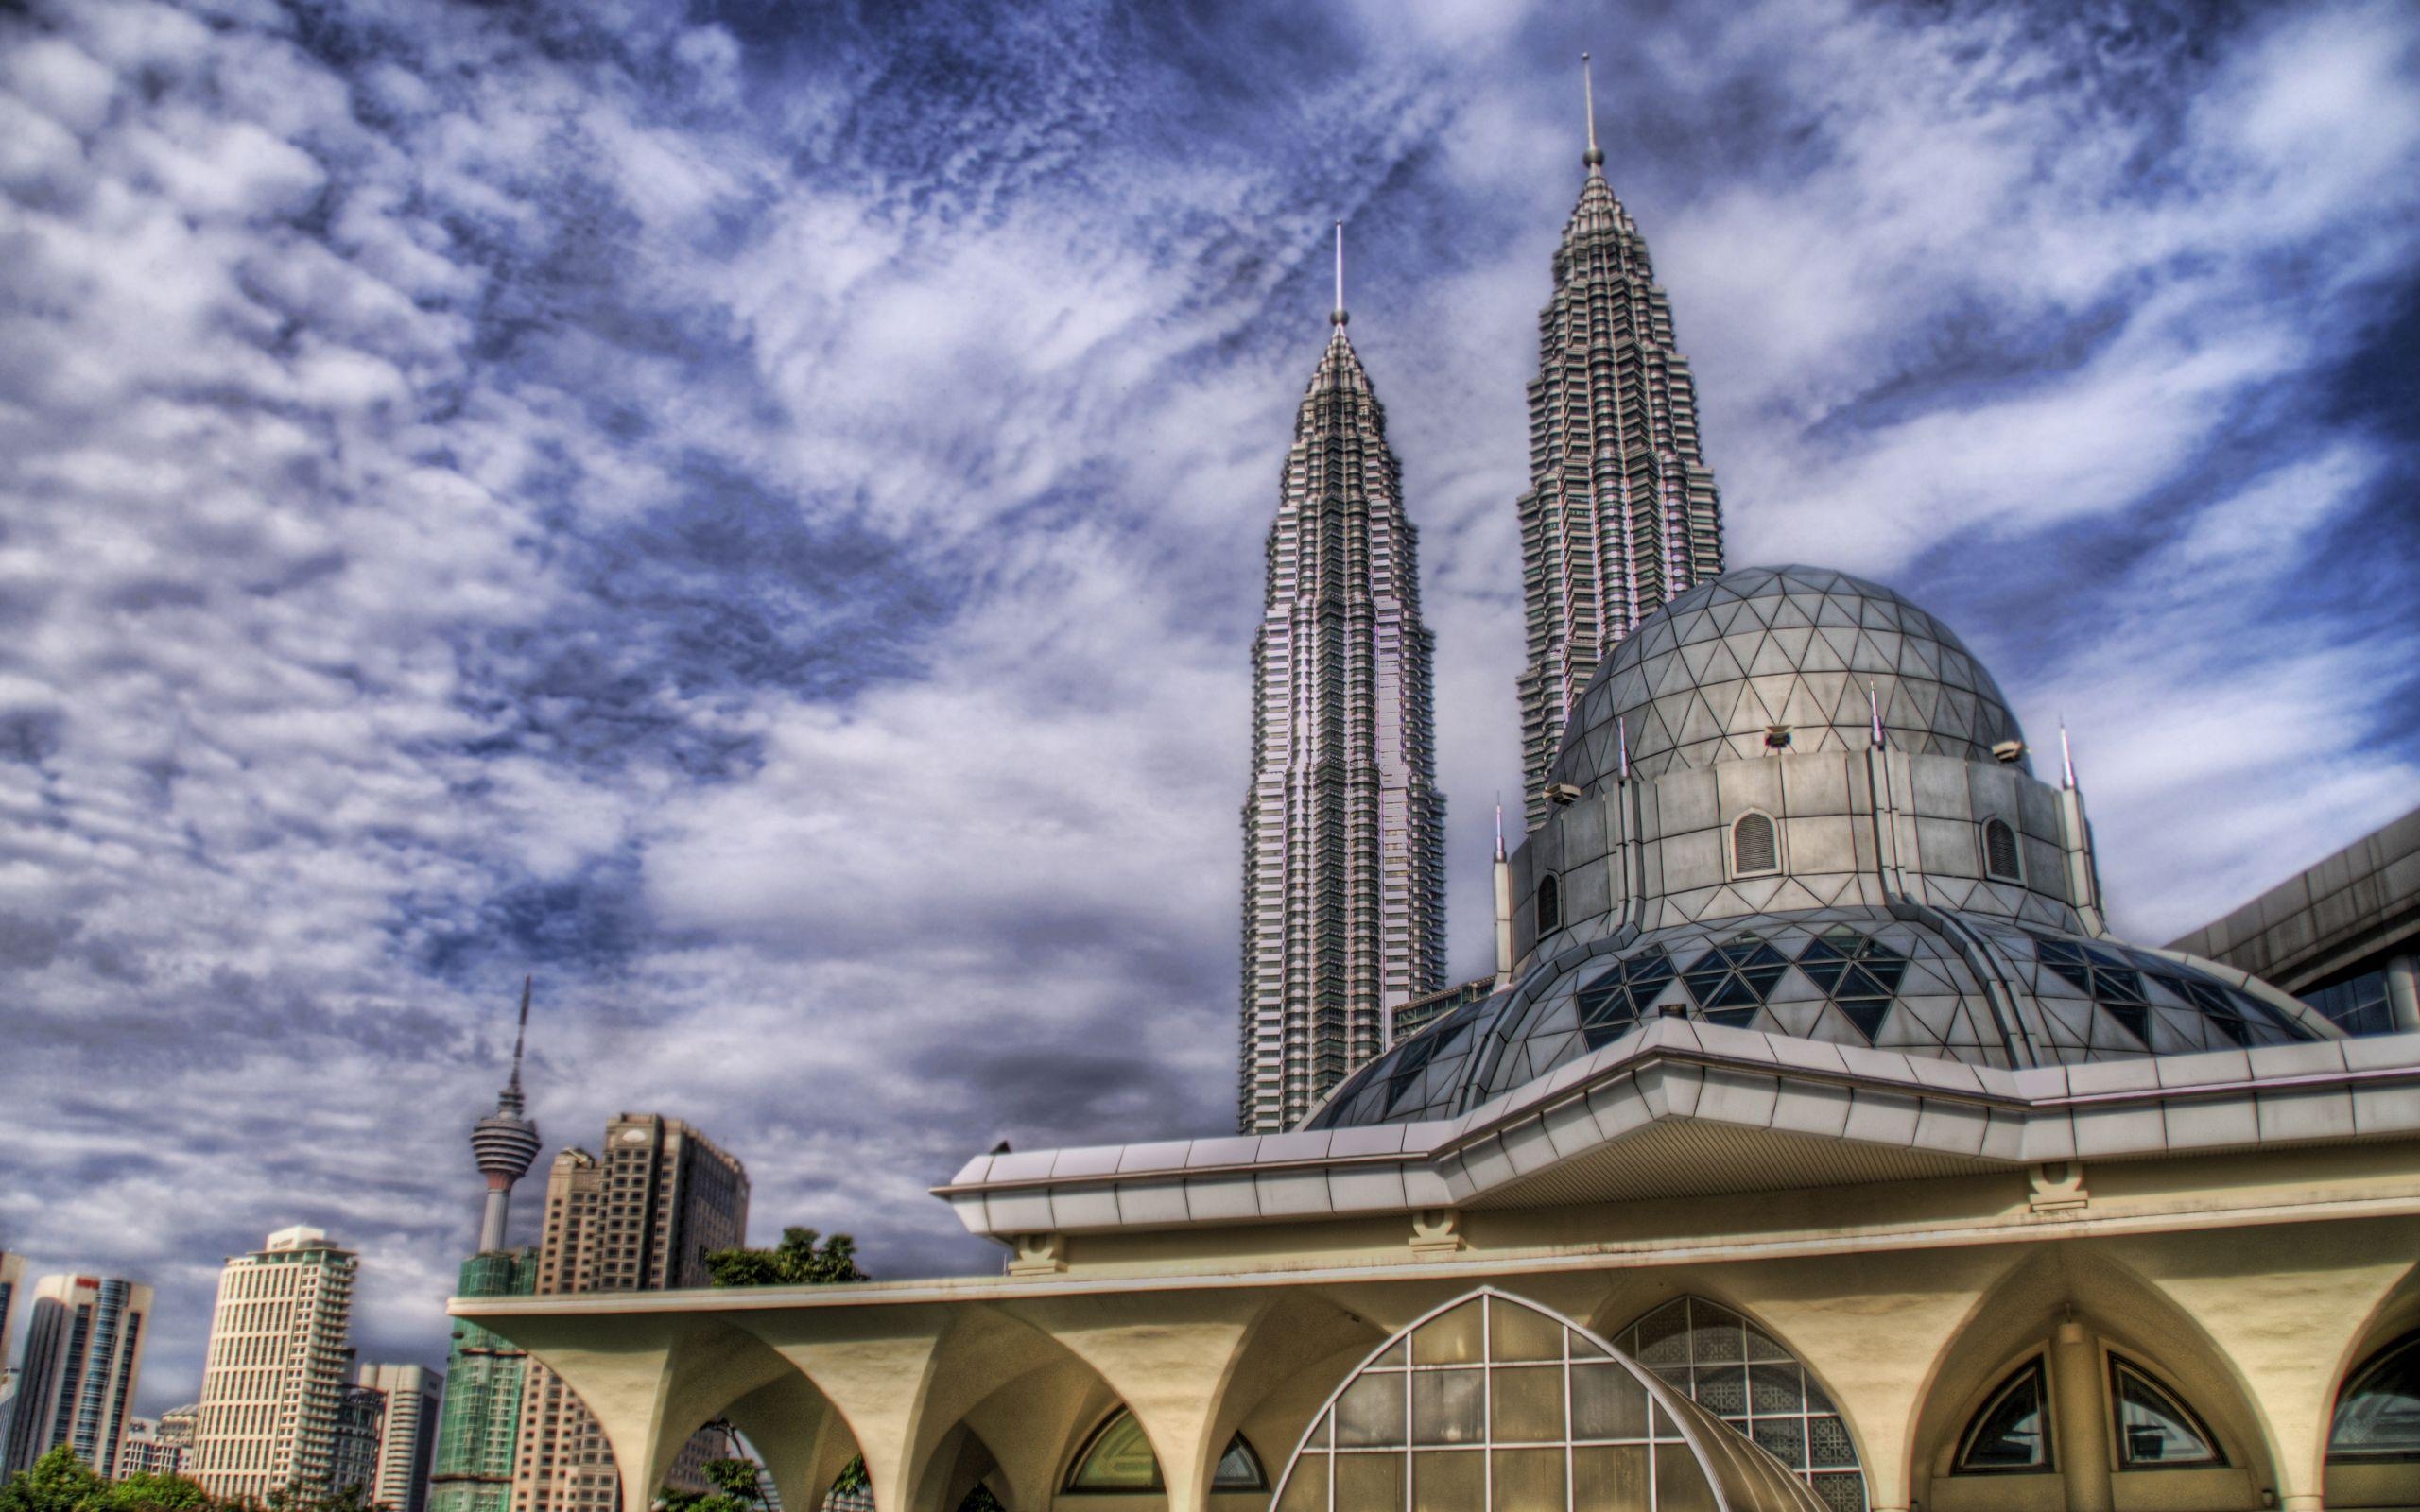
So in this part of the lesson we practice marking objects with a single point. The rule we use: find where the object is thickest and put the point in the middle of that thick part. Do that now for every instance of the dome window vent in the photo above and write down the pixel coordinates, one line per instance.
(1550, 904)
(2000, 858)
(1756, 846)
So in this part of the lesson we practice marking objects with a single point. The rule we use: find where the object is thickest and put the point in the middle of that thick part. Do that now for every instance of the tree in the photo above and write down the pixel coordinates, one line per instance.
(146, 1493)
(738, 1486)
(797, 1261)
(59, 1482)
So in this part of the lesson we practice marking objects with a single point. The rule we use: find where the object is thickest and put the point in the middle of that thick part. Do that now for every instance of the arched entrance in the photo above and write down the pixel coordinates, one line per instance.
(1491, 1403)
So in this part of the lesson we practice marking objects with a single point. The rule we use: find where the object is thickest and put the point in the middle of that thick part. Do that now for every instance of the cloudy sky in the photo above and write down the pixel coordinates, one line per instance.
(754, 516)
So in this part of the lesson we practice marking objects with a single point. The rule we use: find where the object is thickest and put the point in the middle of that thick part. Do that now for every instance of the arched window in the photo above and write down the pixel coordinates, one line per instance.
(2378, 1417)
(1550, 903)
(1756, 846)
(2154, 1427)
(1743, 1375)
(1117, 1460)
(1493, 1400)
(1239, 1469)
(2011, 1433)
(1999, 851)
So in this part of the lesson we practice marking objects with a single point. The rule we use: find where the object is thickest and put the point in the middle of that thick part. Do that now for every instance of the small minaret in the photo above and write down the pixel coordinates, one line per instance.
(1503, 904)
(2075, 840)
(505, 1143)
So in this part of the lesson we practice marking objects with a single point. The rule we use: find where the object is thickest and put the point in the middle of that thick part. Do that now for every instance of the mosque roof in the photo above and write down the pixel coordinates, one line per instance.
(1706, 679)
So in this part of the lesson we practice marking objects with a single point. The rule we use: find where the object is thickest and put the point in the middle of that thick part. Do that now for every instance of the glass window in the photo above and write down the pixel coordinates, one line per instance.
(1550, 903)
(1498, 1403)
(1999, 851)
(2154, 1428)
(1732, 981)
(2378, 1415)
(1756, 846)
(1119, 1458)
(2013, 1431)
(2356, 1005)
(1737, 1371)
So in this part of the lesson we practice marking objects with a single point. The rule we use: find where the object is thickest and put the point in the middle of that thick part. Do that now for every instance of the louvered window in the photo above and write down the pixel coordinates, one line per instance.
(1755, 846)
(1999, 851)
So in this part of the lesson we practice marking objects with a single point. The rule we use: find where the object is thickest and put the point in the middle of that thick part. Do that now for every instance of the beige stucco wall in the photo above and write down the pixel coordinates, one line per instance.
(2251, 1284)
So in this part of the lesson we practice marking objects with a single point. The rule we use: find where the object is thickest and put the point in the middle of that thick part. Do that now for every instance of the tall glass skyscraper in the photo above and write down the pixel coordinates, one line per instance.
(1622, 514)
(84, 1357)
(1344, 867)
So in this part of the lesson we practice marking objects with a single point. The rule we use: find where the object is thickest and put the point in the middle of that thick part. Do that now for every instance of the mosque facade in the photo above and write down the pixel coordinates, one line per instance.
(1819, 1147)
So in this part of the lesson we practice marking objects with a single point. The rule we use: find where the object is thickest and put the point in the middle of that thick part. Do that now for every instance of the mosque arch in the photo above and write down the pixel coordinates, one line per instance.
(1492, 1398)
(2374, 1414)
(1117, 1459)
(2083, 1332)
(1739, 1371)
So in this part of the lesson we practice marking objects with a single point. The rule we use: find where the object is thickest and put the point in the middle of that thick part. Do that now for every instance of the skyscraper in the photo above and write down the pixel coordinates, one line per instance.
(1344, 908)
(76, 1381)
(478, 1421)
(642, 1217)
(277, 1370)
(361, 1419)
(408, 1409)
(1621, 513)
(12, 1269)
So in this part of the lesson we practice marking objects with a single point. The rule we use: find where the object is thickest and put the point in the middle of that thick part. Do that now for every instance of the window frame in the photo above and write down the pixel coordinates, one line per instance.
(2193, 1419)
(1731, 855)
(2015, 850)
(2358, 1376)
(2035, 1365)
(1550, 891)
(1068, 1485)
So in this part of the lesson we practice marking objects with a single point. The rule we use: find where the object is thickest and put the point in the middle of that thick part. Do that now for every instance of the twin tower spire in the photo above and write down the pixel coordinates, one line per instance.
(1344, 896)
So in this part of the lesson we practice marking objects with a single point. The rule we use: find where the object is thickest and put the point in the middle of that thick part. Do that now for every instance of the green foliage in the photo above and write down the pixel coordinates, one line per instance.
(61, 1482)
(797, 1261)
(981, 1499)
(739, 1488)
(853, 1475)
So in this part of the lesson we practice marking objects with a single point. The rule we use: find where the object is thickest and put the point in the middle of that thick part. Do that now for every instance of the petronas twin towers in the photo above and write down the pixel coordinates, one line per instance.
(1345, 853)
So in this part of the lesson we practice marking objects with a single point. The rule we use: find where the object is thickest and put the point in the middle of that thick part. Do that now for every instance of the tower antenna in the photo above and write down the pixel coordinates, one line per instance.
(2066, 757)
(1339, 317)
(1595, 157)
(521, 1036)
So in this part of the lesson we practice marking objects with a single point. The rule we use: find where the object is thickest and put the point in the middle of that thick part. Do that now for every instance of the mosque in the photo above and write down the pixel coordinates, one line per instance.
(1823, 1151)
(1815, 1145)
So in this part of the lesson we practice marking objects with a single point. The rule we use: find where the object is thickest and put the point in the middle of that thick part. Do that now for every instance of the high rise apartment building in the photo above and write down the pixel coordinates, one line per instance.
(642, 1216)
(76, 1383)
(410, 1406)
(1621, 513)
(1345, 902)
(361, 1417)
(13, 1271)
(478, 1418)
(278, 1369)
(146, 1451)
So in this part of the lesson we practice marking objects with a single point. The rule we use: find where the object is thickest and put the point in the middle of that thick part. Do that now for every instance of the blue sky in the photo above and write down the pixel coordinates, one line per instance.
(755, 516)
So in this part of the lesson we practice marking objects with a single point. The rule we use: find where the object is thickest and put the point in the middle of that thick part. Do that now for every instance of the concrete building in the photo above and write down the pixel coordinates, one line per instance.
(277, 1367)
(1344, 905)
(176, 1426)
(1410, 1018)
(2343, 935)
(1621, 515)
(642, 1217)
(410, 1403)
(362, 1424)
(77, 1379)
(146, 1452)
(478, 1418)
(1820, 1149)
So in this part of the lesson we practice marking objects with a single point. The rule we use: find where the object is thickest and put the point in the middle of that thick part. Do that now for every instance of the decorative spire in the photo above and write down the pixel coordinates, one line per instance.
(1594, 157)
(2066, 757)
(1621, 733)
(1873, 708)
(1337, 316)
(1499, 826)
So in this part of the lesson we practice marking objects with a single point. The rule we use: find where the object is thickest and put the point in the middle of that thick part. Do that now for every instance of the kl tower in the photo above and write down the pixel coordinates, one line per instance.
(505, 1143)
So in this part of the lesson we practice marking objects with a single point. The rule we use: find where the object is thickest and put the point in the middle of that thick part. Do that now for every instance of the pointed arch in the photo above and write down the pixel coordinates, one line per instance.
(1492, 1397)
(1742, 1373)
